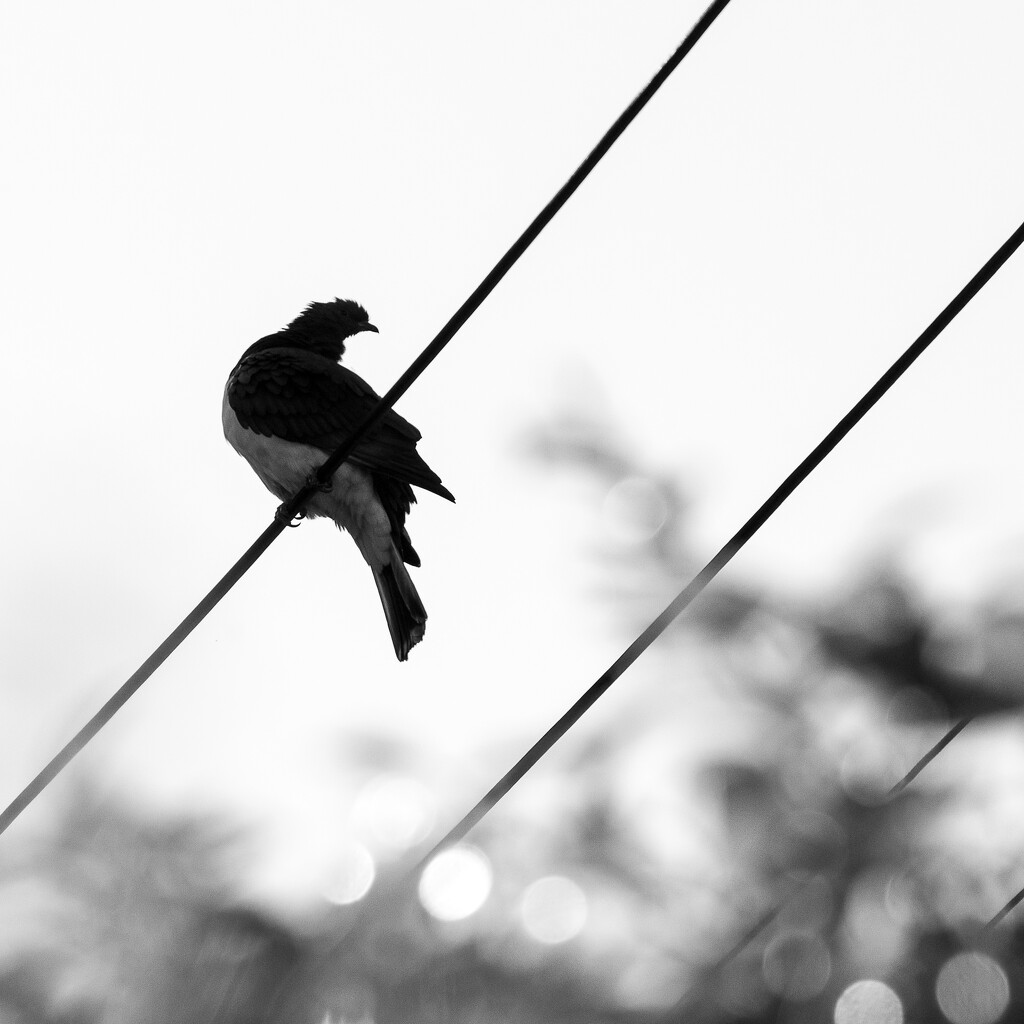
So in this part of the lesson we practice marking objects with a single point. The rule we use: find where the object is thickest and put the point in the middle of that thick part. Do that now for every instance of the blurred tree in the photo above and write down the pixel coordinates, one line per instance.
(116, 919)
(723, 850)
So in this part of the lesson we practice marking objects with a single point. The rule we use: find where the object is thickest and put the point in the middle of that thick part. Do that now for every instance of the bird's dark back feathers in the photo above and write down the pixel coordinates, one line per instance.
(301, 396)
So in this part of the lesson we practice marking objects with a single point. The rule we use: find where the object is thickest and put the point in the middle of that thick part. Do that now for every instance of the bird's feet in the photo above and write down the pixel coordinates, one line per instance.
(282, 515)
(313, 482)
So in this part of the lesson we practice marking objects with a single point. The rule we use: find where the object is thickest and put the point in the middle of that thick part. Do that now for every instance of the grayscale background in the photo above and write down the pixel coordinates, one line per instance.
(809, 189)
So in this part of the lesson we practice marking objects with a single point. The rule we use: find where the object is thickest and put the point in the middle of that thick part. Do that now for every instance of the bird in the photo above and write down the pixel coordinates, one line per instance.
(288, 403)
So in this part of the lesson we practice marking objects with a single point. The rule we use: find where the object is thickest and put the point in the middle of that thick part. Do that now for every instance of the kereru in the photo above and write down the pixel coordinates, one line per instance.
(288, 404)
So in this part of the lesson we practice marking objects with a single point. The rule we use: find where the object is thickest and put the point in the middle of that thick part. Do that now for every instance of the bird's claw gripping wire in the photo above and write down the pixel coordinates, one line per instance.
(282, 516)
(312, 481)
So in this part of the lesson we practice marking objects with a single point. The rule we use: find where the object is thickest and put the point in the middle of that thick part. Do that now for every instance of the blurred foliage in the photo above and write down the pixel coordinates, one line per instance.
(723, 849)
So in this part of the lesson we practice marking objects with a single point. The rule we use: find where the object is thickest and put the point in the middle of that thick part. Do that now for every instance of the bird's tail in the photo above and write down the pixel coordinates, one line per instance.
(403, 608)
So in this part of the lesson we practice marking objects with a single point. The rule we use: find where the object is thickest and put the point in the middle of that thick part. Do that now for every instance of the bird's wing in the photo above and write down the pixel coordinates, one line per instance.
(300, 396)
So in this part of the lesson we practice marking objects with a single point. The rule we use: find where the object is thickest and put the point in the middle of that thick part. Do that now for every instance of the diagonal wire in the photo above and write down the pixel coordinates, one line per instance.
(769, 916)
(950, 735)
(295, 505)
(505, 264)
(730, 548)
(689, 997)
(1007, 907)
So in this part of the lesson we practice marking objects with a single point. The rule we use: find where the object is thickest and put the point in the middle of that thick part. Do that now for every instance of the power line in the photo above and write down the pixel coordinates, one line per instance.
(753, 931)
(295, 505)
(730, 548)
(1007, 907)
(505, 264)
(934, 752)
(768, 917)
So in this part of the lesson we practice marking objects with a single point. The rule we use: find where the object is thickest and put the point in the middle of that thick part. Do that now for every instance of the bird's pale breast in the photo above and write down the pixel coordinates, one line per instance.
(285, 466)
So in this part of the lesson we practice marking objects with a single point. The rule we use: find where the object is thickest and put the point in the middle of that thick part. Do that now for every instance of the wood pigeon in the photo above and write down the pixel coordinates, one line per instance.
(288, 404)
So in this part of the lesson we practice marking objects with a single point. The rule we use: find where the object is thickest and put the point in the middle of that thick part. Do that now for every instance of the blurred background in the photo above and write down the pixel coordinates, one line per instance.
(806, 193)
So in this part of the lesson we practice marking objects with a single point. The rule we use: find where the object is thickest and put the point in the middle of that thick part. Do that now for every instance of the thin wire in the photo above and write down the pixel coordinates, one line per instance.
(505, 264)
(1006, 909)
(291, 508)
(145, 670)
(934, 752)
(752, 932)
(769, 916)
(729, 549)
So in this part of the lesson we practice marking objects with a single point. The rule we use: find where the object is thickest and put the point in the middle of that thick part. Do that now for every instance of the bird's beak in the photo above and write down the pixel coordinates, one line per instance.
(368, 327)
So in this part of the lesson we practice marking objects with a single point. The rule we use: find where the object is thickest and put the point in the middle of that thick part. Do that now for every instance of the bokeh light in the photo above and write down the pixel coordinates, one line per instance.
(394, 812)
(553, 909)
(352, 1004)
(972, 989)
(353, 875)
(796, 965)
(634, 510)
(456, 883)
(869, 1002)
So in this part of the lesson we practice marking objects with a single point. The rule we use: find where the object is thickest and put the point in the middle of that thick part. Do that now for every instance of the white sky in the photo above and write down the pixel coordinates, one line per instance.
(802, 198)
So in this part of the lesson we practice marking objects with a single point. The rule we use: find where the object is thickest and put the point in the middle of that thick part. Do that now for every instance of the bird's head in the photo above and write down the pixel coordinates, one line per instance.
(322, 327)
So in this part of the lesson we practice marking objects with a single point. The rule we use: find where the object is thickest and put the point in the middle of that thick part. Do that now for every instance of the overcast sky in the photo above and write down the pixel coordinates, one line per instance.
(806, 193)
